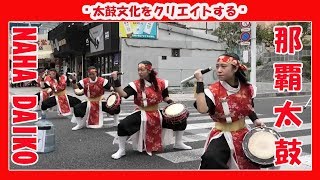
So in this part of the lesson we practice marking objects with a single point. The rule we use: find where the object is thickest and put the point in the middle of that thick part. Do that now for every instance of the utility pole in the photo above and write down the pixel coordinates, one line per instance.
(253, 72)
(206, 28)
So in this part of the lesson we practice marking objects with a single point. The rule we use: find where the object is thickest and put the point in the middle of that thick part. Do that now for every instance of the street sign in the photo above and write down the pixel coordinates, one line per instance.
(245, 24)
(245, 36)
(246, 43)
(245, 56)
(245, 29)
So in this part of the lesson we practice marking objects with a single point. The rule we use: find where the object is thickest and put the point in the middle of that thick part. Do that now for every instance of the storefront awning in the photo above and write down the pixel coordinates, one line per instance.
(45, 52)
(45, 55)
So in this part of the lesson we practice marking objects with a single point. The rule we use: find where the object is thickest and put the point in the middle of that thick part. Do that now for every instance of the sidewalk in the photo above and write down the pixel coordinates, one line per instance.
(264, 90)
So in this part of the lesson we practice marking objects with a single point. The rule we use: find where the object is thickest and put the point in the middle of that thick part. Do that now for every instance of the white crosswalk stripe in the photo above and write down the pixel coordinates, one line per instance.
(196, 116)
(198, 132)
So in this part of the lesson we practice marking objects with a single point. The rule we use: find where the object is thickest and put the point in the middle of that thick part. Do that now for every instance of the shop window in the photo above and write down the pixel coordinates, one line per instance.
(175, 52)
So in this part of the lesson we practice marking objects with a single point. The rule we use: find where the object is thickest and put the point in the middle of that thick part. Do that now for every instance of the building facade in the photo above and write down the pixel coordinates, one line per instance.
(176, 54)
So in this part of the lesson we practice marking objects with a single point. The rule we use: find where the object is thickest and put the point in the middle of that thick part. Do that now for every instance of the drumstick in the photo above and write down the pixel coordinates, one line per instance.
(109, 74)
(191, 77)
(73, 74)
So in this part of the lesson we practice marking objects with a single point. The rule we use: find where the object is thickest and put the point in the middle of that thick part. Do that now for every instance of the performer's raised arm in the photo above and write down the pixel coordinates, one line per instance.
(62, 83)
(202, 106)
(117, 85)
(78, 89)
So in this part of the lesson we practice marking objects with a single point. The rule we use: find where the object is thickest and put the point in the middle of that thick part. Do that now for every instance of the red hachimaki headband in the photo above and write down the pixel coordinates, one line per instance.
(233, 61)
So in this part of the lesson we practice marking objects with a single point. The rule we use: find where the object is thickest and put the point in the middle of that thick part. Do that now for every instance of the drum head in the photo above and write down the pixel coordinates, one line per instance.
(259, 145)
(174, 109)
(111, 100)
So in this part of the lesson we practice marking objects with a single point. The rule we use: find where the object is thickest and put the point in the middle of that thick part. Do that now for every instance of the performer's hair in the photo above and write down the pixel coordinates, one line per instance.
(57, 73)
(152, 77)
(240, 74)
(41, 70)
(91, 67)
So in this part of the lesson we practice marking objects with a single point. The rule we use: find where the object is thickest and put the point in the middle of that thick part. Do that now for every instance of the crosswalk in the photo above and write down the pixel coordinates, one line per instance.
(199, 126)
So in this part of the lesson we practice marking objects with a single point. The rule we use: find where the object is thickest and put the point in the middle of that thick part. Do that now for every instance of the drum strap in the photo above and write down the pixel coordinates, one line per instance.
(234, 126)
(45, 90)
(150, 108)
(61, 93)
(226, 109)
(99, 98)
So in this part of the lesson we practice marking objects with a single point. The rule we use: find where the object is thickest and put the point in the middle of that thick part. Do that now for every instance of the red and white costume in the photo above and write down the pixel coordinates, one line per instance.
(231, 105)
(150, 136)
(94, 91)
(59, 91)
(44, 93)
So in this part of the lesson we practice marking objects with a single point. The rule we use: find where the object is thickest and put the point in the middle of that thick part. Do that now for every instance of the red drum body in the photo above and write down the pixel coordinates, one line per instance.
(175, 113)
(113, 101)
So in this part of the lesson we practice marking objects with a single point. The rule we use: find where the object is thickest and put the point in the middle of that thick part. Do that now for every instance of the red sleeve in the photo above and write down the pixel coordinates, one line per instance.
(38, 80)
(252, 90)
(62, 84)
(161, 84)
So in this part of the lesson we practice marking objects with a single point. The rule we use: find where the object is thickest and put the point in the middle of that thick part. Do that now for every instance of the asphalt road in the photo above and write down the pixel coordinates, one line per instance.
(92, 148)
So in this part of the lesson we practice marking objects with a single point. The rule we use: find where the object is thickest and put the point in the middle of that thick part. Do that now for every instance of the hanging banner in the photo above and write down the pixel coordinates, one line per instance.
(138, 30)
(96, 38)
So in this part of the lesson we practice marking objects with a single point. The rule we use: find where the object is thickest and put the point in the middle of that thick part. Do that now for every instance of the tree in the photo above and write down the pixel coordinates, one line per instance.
(228, 32)
(306, 26)
(306, 60)
(265, 32)
(265, 35)
(306, 30)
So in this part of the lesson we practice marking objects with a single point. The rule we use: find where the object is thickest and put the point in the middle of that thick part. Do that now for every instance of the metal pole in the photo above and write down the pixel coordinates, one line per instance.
(206, 28)
(253, 72)
(307, 104)
(181, 86)
(82, 61)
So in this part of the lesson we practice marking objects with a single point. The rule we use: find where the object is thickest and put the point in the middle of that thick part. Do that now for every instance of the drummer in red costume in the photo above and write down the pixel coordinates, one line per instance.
(145, 125)
(89, 113)
(58, 85)
(228, 102)
(44, 92)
